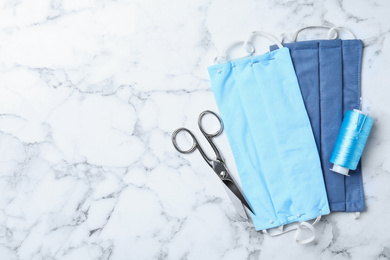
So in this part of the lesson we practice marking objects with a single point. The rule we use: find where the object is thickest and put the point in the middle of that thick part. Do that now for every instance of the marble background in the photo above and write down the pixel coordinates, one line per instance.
(90, 92)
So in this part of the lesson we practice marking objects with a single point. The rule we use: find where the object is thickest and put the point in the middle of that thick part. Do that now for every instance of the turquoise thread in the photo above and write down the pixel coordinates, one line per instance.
(351, 139)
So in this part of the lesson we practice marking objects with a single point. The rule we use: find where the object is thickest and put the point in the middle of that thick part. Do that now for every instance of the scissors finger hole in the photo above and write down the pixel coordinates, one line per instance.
(185, 138)
(210, 123)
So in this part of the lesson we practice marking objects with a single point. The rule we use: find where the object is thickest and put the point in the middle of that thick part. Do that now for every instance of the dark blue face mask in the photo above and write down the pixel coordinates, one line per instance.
(328, 73)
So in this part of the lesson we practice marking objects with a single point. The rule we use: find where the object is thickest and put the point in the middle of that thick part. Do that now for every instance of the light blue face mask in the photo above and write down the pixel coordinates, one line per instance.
(328, 73)
(271, 138)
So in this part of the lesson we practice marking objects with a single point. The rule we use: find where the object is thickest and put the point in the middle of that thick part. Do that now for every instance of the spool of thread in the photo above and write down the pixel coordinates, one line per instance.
(350, 141)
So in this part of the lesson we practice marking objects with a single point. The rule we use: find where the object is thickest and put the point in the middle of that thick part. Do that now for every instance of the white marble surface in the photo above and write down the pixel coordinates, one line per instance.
(90, 92)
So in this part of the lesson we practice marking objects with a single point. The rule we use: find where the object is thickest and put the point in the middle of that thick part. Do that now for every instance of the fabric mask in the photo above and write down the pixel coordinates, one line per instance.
(328, 73)
(270, 135)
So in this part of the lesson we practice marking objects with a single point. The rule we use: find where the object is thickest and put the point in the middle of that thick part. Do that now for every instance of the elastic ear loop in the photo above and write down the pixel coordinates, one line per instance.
(298, 229)
(265, 35)
(332, 32)
(247, 44)
(223, 56)
(309, 226)
(355, 215)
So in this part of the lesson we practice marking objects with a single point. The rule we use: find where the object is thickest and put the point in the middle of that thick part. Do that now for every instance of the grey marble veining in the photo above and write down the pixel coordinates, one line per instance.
(90, 92)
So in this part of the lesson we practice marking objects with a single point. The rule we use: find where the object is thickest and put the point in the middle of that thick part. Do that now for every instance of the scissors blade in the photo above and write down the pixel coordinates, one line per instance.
(232, 186)
(236, 203)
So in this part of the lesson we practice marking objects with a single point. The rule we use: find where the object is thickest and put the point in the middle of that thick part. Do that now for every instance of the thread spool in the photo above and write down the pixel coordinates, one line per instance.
(350, 141)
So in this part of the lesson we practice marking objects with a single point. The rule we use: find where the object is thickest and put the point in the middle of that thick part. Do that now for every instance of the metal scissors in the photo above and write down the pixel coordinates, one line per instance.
(218, 164)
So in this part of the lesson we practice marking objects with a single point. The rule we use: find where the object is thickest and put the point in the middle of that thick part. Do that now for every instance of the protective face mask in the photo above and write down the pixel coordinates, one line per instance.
(272, 141)
(328, 73)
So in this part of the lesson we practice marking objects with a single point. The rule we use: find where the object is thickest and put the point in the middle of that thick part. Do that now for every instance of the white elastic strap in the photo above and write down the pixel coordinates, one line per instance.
(309, 226)
(223, 57)
(265, 35)
(281, 231)
(308, 240)
(347, 31)
(332, 32)
(284, 36)
(298, 229)
(356, 215)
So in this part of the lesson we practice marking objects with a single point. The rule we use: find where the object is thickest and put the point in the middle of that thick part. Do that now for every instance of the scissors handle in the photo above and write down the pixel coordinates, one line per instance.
(177, 147)
(218, 132)
(209, 136)
(195, 145)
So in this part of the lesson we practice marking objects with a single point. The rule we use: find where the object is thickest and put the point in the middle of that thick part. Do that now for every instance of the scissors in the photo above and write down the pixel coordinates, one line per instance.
(218, 164)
